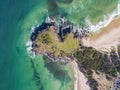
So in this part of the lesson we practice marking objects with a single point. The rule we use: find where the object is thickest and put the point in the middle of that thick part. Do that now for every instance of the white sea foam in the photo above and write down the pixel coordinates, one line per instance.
(29, 49)
(29, 44)
(107, 19)
(32, 29)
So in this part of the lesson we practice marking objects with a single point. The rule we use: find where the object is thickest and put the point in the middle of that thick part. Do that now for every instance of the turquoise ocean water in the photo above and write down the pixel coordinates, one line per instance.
(20, 72)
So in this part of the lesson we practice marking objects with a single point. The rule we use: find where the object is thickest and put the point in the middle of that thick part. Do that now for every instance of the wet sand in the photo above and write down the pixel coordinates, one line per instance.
(105, 39)
(80, 83)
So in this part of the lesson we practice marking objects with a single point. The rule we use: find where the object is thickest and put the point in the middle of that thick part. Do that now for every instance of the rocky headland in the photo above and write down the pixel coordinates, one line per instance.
(59, 39)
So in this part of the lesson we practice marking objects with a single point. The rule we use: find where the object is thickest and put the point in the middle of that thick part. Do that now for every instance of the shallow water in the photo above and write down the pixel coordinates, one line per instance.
(20, 72)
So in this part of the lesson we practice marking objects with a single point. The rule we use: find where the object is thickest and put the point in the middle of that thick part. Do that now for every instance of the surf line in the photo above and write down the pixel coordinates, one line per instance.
(107, 19)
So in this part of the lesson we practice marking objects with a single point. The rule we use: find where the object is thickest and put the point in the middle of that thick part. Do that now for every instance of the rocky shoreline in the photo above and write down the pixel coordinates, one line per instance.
(61, 27)
(55, 59)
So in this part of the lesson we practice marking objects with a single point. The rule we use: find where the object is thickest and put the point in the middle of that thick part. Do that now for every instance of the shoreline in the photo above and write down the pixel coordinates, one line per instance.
(80, 82)
(106, 39)
(80, 79)
(112, 27)
(78, 85)
(111, 16)
(115, 23)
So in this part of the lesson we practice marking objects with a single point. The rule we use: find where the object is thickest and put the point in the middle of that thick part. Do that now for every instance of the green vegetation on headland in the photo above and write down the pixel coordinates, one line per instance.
(48, 41)
(91, 59)
(61, 43)
(87, 57)
(45, 38)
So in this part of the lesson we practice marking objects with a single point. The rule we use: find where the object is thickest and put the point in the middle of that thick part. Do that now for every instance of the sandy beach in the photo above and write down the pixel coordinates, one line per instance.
(105, 39)
(80, 82)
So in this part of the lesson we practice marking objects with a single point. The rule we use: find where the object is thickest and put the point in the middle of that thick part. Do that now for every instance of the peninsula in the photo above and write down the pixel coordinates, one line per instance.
(59, 39)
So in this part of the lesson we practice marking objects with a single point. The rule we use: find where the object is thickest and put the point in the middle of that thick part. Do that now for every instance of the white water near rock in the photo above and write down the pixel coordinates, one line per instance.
(29, 49)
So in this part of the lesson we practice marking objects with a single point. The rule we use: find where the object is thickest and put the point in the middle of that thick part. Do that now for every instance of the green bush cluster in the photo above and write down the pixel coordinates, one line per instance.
(118, 50)
(92, 82)
(115, 59)
(45, 38)
(91, 59)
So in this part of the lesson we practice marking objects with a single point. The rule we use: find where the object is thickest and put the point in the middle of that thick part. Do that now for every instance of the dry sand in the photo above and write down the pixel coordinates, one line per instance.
(80, 83)
(103, 83)
(106, 38)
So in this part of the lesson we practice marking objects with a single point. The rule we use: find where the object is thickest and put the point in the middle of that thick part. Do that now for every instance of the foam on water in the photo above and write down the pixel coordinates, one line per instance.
(107, 19)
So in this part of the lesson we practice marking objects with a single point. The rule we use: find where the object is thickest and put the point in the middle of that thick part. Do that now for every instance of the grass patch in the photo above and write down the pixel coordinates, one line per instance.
(48, 41)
